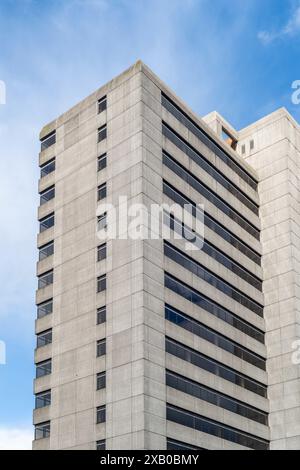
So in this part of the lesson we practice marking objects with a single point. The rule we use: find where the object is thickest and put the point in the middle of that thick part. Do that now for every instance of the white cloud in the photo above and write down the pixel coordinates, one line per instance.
(291, 28)
(15, 438)
(266, 37)
(293, 25)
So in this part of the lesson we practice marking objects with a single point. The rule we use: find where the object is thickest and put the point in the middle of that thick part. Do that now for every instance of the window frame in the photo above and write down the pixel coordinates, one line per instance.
(43, 228)
(101, 444)
(45, 254)
(101, 380)
(47, 400)
(44, 428)
(102, 158)
(44, 167)
(51, 190)
(39, 366)
(102, 221)
(44, 304)
(101, 191)
(101, 283)
(101, 347)
(43, 334)
(101, 313)
(102, 133)
(101, 252)
(101, 414)
(102, 104)
(48, 140)
(42, 277)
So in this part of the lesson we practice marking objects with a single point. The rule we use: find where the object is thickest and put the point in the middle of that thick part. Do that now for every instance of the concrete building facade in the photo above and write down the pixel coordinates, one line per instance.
(141, 344)
(272, 147)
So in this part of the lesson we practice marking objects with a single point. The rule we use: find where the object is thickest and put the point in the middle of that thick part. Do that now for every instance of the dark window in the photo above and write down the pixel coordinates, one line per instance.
(101, 315)
(212, 307)
(101, 414)
(211, 196)
(46, 222)
(100, 445)
(208, 276)
(45, 279)
(43, 399)
(101, 347)
(243, 149)
(44, 338)
(101, 380)
(102, 104)
(209, 395)
(207, 247)
(207, 140)
(214, 367)
(212, 223)
(102, 221)
(184, 321)
(101, 194)
(46, 250)
(251, 144)
(214, 428)
(42, 430)
(101, 252)
(49, 140)
(47, 195)
(172, 444)
(102, 133)
(102, 162)
(43, 368)
(48, 167)
(208, 167)
(101, 283)
(45, 308)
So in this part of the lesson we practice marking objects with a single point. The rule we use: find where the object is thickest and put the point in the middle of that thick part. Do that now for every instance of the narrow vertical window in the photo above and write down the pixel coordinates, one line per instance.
(101, 380)
(102, 133)
(102, 162)
(102, 104)
(101, 283)
(101, 414)
(101, 252)
(101, 194)
(101, 315)
(101, 347)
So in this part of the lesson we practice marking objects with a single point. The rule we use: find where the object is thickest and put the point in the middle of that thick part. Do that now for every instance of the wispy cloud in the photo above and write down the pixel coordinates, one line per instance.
(15, 438)
(291, 27)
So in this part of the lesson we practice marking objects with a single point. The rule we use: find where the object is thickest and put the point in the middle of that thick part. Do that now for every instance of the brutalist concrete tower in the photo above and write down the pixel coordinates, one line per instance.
(142, 344)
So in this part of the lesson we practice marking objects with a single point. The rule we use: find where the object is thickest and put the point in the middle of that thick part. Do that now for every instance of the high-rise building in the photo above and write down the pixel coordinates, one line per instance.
(141, 343)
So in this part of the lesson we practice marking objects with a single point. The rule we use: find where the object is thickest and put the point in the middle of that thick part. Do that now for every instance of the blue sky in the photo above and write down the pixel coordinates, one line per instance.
(238, 57)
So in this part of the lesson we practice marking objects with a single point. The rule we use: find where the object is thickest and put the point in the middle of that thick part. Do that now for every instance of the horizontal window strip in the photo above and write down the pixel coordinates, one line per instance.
(212, 366)
(212, 307)
(195, 389)
(206, 139)
(214, 280)
(212, 251)
(208, 167)
(209, 194)
(212, 223)
(214, 428)
(199, 329)
(173, 444)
